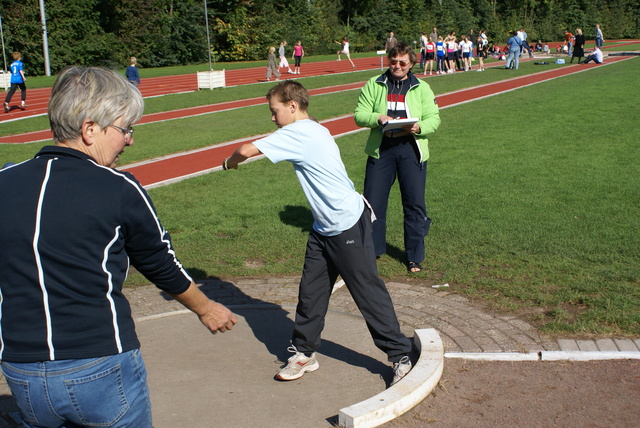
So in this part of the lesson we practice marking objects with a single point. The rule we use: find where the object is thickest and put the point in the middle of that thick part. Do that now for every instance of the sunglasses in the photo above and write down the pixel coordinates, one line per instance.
(396, 62)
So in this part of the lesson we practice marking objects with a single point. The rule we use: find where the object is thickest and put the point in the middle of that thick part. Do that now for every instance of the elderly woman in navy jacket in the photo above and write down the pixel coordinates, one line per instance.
(69, 350)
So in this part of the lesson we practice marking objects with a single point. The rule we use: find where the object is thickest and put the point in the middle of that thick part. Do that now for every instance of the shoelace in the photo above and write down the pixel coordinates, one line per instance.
(398, 366)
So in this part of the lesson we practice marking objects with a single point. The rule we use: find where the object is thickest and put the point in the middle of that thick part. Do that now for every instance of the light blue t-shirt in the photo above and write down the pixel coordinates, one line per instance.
(335, 205)
(16, 67)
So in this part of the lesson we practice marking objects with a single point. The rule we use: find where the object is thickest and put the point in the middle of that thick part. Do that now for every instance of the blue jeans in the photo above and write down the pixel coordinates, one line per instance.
(106, 392)
(515, 56)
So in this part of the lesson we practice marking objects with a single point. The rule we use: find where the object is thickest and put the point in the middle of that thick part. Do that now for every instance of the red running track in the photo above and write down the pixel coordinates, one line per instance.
(170, 169)
(32, 137)
(37, 99)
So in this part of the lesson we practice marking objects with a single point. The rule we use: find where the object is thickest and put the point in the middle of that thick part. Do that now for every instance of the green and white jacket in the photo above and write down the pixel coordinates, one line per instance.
(420, 103)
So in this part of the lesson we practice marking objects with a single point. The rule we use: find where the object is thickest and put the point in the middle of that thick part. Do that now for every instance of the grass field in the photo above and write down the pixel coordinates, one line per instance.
(534, 196)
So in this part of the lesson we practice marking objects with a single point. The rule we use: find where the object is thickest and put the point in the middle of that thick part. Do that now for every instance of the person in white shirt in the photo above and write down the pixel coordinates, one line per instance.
(466, 46)
(596, 56)
(423, 49)
(525, 45)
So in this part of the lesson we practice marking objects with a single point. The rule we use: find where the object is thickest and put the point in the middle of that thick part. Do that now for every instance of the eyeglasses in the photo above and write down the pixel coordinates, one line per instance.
(396, 62)
(128, 133)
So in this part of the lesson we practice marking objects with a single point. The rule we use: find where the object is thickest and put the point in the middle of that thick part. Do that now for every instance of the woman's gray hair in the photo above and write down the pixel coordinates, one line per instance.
(93, 93)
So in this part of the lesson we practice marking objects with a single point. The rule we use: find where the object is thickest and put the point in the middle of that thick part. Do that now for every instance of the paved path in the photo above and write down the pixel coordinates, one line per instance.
(196, 378)
(463, 325)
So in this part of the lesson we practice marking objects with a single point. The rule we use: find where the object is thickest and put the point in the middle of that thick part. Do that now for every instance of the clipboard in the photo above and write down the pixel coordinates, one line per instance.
(398, 124)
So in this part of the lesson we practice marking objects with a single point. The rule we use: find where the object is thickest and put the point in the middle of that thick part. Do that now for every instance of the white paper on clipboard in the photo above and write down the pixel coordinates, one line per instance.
(398, 124)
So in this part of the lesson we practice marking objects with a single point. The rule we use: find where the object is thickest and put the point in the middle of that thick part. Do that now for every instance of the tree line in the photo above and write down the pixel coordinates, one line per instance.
(173, 32)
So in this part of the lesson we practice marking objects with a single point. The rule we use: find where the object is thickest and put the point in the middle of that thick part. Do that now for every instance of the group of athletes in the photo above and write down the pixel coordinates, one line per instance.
(451, 54)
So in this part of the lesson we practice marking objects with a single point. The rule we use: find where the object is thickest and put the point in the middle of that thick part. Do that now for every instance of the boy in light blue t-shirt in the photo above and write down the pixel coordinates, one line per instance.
(340, 243)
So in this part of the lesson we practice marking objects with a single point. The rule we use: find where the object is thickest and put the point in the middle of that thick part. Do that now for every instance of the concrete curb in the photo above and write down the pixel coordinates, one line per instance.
(404, 395)
(546, 356)
(495, 356)
(588, 356)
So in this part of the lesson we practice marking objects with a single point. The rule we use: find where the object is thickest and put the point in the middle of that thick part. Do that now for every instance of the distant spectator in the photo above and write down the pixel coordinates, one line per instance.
(272, 65)
(298, 53)
(434, 35)
(514, 43)
(568, 40)
(451, 47)
(466, 46)
(391, 42)
(423, 49)
(596, 56)
(430, 51)
(599, 36)
(17, 81)
(525, 45)
(283, 56)
(481, 50)
(578, 49)
(441, 55)
(132, 72)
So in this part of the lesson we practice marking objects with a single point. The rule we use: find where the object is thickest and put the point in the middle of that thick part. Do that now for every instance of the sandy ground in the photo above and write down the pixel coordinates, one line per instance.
(531, 394)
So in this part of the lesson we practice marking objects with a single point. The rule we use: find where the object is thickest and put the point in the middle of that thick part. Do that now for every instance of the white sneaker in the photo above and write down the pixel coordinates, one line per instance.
(400, 369)
(298, 365)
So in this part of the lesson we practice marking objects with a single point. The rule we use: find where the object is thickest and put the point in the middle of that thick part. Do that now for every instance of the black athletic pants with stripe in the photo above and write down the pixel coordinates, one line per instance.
(350, 255)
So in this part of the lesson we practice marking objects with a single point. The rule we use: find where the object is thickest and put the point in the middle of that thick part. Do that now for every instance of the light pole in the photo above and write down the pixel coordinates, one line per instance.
(206, 21)
(45, 43)
(3, 54)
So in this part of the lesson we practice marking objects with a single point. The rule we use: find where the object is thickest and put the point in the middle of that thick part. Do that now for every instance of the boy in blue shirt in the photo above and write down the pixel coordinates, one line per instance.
(17, 80)
(341, 241)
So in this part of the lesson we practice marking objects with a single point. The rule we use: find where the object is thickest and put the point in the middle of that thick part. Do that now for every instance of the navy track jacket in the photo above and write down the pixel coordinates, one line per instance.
(69, 229)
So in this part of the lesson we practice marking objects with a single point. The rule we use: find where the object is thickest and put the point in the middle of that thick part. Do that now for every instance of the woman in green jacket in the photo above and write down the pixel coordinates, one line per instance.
(400, 153)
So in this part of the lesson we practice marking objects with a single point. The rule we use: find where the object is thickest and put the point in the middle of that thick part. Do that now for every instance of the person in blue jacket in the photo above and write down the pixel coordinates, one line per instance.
(515, 46)
(17, 81)
(133, 76)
